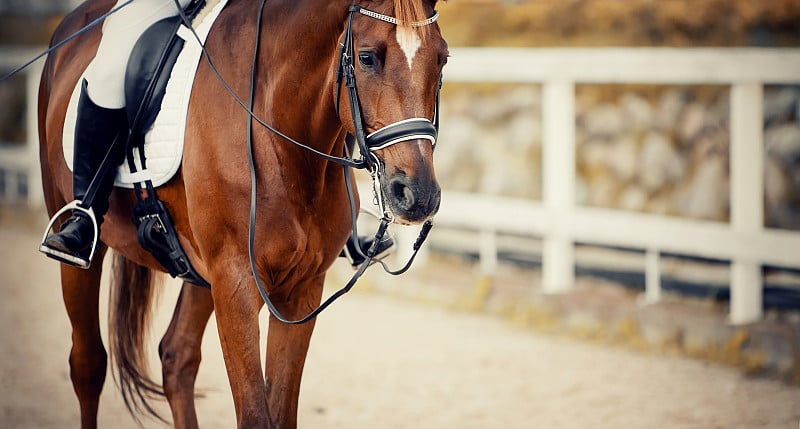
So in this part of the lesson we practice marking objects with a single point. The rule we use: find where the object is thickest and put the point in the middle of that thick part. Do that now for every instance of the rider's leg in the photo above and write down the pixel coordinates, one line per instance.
(356, 257)
(95, 131)
(120, 32)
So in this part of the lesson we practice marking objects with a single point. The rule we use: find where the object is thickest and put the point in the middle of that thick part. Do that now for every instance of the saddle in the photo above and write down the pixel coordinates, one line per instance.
(146, 78)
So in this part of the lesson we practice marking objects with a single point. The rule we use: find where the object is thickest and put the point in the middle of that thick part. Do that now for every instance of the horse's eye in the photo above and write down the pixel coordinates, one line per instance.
(367, 59)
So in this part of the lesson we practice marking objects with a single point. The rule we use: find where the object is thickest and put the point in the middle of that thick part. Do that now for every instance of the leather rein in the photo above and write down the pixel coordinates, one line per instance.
(405, 130)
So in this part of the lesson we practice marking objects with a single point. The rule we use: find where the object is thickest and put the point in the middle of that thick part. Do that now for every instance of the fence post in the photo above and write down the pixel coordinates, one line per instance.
(747, 197)
(33, 173)
(558, 193)
(404, 237)
(487, 252)
(652, 276)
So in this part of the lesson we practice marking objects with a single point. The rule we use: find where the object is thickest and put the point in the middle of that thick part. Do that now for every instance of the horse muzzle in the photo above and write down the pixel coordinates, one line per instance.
(412, 200)
(409, 186)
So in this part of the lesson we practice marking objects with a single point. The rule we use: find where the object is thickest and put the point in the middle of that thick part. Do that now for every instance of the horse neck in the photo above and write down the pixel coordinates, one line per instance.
(299, 47)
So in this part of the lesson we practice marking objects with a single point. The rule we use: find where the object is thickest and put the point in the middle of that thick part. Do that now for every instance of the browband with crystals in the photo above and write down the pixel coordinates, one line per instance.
(393, 20)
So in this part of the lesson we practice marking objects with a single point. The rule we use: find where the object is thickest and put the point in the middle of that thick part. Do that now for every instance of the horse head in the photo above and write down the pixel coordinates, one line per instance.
(397, 58)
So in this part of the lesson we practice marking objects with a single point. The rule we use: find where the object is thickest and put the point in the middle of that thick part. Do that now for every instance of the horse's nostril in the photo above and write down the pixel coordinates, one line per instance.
(402, 194)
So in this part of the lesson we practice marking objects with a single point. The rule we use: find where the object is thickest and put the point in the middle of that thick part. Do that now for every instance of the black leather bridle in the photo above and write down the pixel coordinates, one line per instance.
(398, 132)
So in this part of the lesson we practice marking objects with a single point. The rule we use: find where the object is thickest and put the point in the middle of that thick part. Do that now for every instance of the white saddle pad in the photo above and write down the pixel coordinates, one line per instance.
(164, 141)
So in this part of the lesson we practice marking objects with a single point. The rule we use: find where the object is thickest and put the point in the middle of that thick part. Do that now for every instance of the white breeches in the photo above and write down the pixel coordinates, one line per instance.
(106, 73)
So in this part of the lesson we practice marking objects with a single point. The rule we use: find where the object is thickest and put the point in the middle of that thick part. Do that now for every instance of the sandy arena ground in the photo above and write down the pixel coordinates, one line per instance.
(376, 362)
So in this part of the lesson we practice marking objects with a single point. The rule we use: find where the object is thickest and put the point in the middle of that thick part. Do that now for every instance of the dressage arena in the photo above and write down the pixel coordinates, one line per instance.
(382, 362)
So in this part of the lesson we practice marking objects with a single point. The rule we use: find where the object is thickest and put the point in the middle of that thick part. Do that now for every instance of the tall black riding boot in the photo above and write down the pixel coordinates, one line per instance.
(95, 131)
(357, 257)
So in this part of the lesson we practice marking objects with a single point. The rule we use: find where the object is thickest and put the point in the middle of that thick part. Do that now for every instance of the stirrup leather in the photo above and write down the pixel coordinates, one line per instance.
(64, 257)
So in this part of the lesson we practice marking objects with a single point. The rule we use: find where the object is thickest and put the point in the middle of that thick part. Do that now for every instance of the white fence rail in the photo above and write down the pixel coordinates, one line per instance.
(19, 161)
(561, 223)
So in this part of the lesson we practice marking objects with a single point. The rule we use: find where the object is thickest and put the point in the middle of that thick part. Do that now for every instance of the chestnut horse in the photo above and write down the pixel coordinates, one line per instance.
(302, 205)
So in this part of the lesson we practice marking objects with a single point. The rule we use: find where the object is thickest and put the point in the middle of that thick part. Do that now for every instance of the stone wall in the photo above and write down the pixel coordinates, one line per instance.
(651, 149)
(490, 141)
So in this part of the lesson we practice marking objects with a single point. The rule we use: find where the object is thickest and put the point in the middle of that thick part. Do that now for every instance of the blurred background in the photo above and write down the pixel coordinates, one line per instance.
(633, 206)
(677, 145)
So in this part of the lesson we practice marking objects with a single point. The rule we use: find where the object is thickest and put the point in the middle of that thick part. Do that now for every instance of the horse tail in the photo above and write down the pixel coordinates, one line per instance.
(131, 295)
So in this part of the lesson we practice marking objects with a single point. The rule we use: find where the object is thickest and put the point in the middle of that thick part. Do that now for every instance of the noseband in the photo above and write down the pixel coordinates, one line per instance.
(398, 132)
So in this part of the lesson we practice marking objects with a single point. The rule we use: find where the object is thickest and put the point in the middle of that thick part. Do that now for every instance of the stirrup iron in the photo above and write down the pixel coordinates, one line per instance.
(61, 256)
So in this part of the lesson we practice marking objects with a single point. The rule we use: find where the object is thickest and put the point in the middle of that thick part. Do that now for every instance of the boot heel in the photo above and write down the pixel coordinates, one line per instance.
(61, 256)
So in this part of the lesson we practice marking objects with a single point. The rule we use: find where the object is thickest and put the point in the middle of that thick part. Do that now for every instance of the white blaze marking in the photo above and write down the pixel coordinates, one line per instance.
(409, 43)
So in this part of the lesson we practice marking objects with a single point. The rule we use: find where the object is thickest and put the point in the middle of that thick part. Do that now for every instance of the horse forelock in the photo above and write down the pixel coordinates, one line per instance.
(409, 11)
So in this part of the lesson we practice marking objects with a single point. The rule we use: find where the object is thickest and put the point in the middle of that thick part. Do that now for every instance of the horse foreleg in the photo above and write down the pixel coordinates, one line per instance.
(236, 306)
(180, 352)
(88, 358)
(287, 347)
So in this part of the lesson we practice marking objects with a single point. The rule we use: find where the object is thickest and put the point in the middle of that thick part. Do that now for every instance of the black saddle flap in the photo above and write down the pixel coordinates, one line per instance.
(149, 67)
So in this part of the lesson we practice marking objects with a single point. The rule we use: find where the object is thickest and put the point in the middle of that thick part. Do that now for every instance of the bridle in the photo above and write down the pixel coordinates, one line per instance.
(389, 135)
(398, 132)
